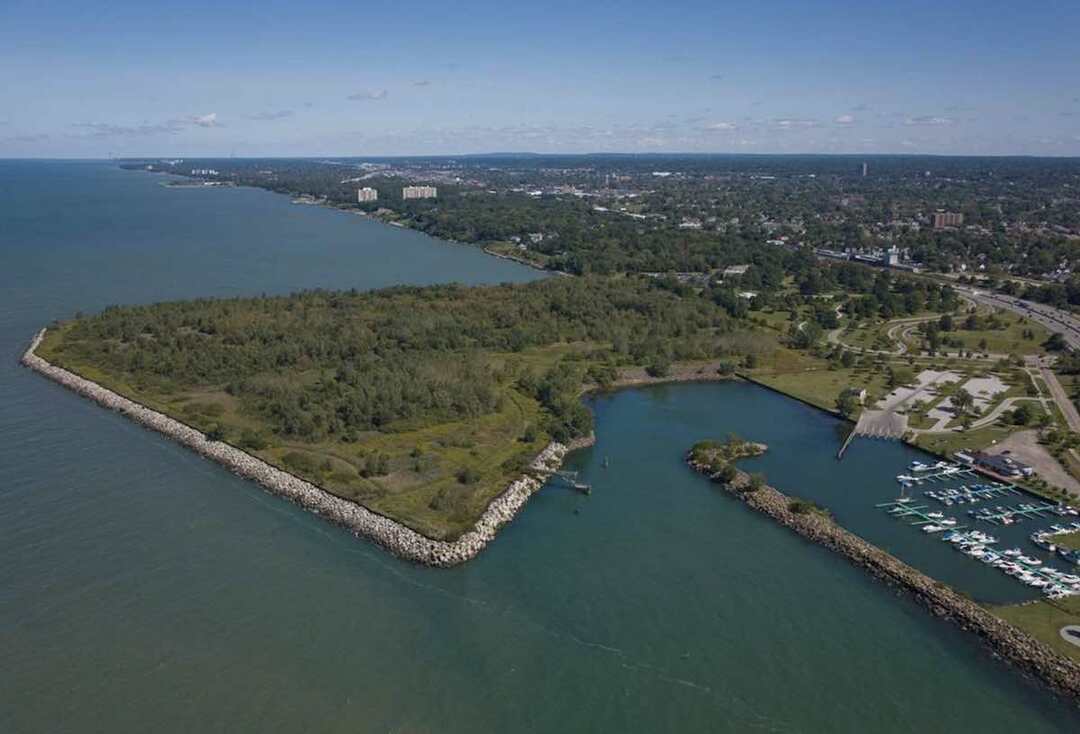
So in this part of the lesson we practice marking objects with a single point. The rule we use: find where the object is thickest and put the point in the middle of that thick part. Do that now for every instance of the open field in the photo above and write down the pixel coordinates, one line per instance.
(1044, 619)
(821, 386)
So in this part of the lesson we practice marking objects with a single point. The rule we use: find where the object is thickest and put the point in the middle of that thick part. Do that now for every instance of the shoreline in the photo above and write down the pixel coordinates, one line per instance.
(390, 534)
(294, 198)
(1006, 641)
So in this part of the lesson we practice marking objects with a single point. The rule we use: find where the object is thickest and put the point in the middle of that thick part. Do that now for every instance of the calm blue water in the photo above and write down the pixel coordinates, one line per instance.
(143, 589)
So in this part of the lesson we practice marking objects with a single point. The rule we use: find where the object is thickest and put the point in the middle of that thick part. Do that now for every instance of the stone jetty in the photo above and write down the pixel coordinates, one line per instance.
(1025, 652)
(390, 534)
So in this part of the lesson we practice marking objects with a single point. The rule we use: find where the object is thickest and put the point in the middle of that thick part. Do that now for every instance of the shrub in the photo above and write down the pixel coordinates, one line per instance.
(298, 461)
(468, 475)
(253, 440)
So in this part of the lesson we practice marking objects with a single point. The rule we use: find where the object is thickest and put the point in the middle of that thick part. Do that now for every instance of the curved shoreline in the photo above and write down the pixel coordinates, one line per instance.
(395, 537)
(1005, 640)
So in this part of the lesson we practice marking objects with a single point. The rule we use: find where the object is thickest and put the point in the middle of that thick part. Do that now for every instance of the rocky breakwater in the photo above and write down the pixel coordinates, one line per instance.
(1008, 642)
(390, 534)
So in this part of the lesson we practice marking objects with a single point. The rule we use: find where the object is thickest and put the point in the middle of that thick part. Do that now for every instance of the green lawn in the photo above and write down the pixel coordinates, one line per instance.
(1009, 340)
(1044, 619)
(1071, 540)
(821, 386)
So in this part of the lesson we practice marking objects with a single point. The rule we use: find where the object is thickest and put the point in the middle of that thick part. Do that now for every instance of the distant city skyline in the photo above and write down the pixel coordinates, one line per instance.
(197, 79)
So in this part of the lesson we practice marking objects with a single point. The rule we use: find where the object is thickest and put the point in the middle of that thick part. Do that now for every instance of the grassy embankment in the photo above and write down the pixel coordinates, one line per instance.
(1043, 620)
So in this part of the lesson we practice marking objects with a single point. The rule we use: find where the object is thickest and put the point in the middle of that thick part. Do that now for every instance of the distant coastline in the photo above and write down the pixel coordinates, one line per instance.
(302, 199)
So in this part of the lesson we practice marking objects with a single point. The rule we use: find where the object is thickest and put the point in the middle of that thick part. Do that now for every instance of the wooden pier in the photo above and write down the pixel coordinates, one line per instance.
(570, 479)
(943, 476)
(1025, 511)
(963, 494)
(905, 510)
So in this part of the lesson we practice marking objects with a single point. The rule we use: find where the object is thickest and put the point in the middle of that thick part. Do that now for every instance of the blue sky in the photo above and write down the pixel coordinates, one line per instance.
(125, 78)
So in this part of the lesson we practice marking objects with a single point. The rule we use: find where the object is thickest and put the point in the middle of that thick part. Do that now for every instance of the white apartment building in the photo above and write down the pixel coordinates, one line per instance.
(418, 192)
(367, 194)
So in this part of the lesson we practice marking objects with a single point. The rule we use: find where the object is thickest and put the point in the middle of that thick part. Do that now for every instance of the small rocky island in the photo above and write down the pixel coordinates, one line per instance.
(717, 458)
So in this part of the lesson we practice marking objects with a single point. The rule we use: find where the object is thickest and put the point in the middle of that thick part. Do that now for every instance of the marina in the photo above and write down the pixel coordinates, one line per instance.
(970, 494)
(939, 472)
(1009, 515)
(1026, 567)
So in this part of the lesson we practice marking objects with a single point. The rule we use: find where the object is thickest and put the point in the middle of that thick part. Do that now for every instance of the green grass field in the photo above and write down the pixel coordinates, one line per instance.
(1044, 619)
(1070, 540)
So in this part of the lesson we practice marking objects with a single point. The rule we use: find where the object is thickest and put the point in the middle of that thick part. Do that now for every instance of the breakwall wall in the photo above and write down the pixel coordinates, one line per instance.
(400, 540)
(1012, 644)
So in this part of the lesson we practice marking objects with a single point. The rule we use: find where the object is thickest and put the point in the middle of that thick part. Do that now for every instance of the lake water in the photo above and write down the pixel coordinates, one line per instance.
(144, 589)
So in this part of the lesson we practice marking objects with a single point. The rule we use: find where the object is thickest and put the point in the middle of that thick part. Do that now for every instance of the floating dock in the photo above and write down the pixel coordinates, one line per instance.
(906, 510)
(972, 494)
(1002, 516)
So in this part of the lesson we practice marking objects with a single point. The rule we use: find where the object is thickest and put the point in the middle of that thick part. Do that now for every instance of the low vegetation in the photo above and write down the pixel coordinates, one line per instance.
(719, 458)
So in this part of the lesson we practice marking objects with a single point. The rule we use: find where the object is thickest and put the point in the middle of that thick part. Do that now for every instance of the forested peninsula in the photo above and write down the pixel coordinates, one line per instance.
(422, 404)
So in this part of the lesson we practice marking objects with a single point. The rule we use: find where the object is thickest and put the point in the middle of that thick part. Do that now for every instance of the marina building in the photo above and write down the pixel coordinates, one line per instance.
(1001, 464)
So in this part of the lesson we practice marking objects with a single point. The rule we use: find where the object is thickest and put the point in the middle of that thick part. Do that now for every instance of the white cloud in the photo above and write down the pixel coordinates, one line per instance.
(721, 126)
(845, 120)
(788, 123)
(422, 83)
(271, 115)
(111, 130)
(28, 138)
(368, 95)
(145, 129)
(929, 121)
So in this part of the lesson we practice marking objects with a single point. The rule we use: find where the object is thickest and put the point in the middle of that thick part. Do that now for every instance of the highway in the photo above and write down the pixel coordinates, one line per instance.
(1052, 318)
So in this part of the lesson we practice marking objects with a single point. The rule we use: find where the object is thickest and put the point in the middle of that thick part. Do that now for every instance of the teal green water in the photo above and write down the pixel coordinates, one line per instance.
(143, 589)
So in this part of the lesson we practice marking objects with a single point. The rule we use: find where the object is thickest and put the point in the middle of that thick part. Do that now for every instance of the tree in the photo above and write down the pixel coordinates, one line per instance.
(659, 366)
(963, 401)
(847, 402)
(900, 376)
(1022, 415)
(1056, 343)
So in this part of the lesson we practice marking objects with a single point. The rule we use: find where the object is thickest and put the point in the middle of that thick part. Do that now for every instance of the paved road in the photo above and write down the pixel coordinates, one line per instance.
(1072, 417)
(1054, 319)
